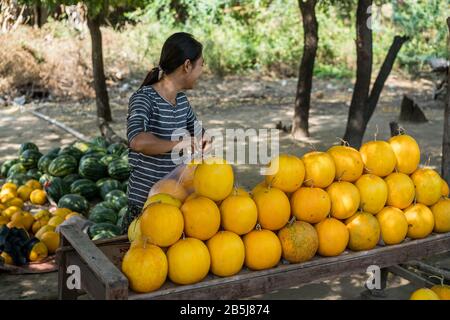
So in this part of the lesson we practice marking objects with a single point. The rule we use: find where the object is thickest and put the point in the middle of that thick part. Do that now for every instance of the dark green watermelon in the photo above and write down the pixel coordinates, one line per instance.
(100, 182)
(121, 216)
(116, 149)
(74, 202)
(125, 186)
(109, 186)
(119, 169)
(56, 188)
(34, 174)
(27, 146)
(71, 178)
(106, 160)
(104, 235)
(19, 179)
(16, 168)
(6, 166)
(91, 168)
(44, 162)
(54, 152)
(84, 187)
(72, 151)
(99, 215)
(117, 198)
(100, 142)
(99, 228)
(30, 158)
(44, 178)
(63, 166)
(104, 205)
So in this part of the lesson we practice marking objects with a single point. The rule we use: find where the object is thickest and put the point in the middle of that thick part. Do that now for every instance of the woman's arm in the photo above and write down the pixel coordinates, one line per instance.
(147, 143)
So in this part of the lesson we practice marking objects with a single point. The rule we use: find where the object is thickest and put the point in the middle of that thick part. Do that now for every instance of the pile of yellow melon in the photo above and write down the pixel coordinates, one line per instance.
(41, 224)
(436, 292)
(323, 202)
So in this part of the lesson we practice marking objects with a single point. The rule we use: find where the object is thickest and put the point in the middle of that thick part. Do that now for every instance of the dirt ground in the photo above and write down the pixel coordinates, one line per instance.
(237, 102)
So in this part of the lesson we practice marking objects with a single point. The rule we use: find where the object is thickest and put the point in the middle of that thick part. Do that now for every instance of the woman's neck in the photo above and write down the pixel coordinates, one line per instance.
(168, 89)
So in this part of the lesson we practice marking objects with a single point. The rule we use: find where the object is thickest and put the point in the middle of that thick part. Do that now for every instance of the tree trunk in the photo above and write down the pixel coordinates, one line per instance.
(446, 139)
(383, 74)
(40, 14)
(303, 94)
(101, 93)
(355, 124)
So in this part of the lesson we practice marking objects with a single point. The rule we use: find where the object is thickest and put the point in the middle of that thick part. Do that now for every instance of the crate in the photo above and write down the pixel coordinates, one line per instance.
(101, 278)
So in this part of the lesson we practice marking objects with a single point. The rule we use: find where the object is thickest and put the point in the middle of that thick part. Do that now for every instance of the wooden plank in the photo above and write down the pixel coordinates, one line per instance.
(94, 264)
(410, 276)
(248, 283)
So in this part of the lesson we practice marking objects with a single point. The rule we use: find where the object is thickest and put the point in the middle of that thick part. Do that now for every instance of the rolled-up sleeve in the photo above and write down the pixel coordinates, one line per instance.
(139, 113)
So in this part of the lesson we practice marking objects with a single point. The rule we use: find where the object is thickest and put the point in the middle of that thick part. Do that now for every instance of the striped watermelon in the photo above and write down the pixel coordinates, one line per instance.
(91, 168)
(84, 187)
(119, 169)
(63, 165)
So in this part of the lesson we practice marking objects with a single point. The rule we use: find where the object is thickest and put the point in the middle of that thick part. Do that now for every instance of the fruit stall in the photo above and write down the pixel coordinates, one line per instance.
(322, 215)
(317, 216)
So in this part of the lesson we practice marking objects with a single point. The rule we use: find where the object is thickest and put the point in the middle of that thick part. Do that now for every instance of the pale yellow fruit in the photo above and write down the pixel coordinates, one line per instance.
(441, 212)
(373, 191)
(378, 157)
(401, 190)
(345, 199)
(393, 224)
(420, 221)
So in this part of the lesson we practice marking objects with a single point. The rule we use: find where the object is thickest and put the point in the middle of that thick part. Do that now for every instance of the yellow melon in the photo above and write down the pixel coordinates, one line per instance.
(287, 173)
(171, 187)
(344, 198)
(145, 267)
(442, 291)
(373, 191)
(24, 192)
(201, 218)
(9, 185)
(16, 202)
(51, 240)
(393, 224)
(299, 241)
(407, 153)
(262, 249)
(239, 214)
(444, 189)
(38, 197)
(33, 184)
(310, 204)
(441, 212)
(378, 157)
(401, 190)
(274, 208)
(134, 230)
(214, 179)
(227, 253)
(420, 221)
(348, 162)
(162, 224)
(260, 186)
(61, 212)
(320, 169)
(364, 231)
(424, 294)
(428, 185)
(333, 237)
(189, 261)
(163, 198)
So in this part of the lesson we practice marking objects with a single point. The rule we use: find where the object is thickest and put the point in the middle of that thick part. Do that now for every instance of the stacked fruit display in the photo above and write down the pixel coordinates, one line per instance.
(74, 176)
(321, 203)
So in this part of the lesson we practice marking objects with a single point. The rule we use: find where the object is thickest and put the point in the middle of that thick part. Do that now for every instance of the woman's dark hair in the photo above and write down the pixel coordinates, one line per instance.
(176, 50)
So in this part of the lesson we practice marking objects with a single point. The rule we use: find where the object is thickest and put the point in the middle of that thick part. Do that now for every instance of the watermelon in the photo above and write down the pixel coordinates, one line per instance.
(19, 179)
(34, 174)
(119, 169)
(81, 145)
(103, 227)
(100, 182)
(74, 152)
(29, 158)
(91, 168)
(84, 187)
(16, 168)
(54, 152)
(125, 186)
(71, 178)
(100, 142)
(44, 162)
(56, 188)
(106, 160)
(104, 205)
(104, 235)
(109, 186)
(6, 166)
(44, 178)
(117, 198)
(121, 215)
(99, 215)
(27, 146)
(116, 149)
(74, 202)
(63, 165)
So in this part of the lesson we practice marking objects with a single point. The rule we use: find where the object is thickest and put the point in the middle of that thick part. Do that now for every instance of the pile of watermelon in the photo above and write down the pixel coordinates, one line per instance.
(76, 177)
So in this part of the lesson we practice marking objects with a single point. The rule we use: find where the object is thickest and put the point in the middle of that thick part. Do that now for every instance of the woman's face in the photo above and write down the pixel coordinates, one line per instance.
(193, 72)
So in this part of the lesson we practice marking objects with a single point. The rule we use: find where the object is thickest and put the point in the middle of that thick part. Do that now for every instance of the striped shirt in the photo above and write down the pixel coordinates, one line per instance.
(149, 112)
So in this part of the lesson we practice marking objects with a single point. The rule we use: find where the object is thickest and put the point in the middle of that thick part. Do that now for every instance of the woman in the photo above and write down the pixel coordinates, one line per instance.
(156, 113)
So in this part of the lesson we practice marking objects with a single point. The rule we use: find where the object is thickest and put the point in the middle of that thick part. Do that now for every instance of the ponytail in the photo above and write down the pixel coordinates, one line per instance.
(176, 50)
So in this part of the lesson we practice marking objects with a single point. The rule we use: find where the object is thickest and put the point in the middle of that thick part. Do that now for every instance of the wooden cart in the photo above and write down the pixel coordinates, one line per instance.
(99, 265)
